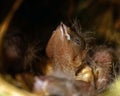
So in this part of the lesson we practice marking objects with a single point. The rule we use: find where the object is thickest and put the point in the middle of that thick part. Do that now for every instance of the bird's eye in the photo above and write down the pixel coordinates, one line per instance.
(79, 43)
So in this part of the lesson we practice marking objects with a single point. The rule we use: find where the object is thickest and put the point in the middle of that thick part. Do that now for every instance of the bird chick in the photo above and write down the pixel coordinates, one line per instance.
(102, 62)
(69, 54)
(66, 50)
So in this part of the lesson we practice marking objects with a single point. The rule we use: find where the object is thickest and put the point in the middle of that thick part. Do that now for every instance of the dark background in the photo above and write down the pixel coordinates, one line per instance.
(37, 19)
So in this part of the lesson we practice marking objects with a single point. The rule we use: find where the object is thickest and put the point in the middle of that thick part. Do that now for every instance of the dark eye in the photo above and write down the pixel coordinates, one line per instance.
(77, 41)
(80, 43)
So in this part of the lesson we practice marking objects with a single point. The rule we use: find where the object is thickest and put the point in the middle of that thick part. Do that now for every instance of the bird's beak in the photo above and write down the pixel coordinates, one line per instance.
(58, 39)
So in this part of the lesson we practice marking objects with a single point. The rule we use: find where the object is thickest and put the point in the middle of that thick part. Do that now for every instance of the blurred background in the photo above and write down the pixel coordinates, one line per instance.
(37, 19)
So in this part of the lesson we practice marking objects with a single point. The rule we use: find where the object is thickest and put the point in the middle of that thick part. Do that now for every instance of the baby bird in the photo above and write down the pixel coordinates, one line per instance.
(66, 50)
(102, 62)
(69, 52)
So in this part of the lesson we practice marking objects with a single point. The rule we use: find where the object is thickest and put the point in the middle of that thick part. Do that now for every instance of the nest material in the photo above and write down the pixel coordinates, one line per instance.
(12, 90)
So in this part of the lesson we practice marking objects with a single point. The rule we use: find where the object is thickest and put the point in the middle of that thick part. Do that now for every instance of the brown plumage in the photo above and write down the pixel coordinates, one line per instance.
(102, 62)
(64, 52)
